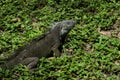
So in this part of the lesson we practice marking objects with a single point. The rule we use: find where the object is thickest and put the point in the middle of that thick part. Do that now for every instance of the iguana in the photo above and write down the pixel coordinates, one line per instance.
(40, 47)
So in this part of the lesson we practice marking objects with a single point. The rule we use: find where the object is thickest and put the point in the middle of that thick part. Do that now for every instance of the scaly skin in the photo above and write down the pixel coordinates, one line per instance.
(41, 47)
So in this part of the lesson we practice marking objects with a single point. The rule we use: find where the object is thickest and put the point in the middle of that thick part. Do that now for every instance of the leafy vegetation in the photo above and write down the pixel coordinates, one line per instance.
(91, 55)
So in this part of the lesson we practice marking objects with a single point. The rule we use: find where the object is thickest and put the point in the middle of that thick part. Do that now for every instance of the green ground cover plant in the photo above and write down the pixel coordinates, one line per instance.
(87, 54)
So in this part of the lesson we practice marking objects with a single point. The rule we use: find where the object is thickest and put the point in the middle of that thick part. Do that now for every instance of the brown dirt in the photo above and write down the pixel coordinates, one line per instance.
(114, 32)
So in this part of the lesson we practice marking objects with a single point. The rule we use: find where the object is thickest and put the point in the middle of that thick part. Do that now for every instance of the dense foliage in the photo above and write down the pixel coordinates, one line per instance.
(91, 55)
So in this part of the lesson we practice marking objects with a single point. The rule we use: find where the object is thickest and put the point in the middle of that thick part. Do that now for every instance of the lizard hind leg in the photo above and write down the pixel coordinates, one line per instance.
(30, 62)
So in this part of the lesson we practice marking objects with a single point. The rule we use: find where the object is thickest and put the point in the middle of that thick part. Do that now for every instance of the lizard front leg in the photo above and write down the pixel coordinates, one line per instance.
(57, 52)
(56, 49)
(30, 62)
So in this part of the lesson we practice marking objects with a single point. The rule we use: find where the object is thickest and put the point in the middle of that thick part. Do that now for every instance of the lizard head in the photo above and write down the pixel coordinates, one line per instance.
(61, 29)
(66, 26)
